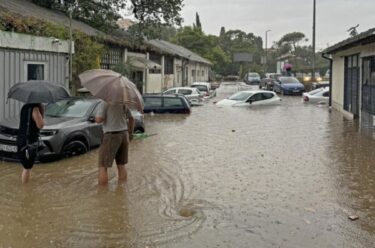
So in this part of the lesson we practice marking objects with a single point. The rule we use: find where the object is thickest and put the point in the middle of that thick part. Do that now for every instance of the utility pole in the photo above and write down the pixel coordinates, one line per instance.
(313, 43)
(265, 51)
(71, 53)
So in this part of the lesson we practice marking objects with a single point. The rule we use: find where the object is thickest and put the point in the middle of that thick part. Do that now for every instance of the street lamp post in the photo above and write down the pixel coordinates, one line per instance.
(313, 43)
(265, 53)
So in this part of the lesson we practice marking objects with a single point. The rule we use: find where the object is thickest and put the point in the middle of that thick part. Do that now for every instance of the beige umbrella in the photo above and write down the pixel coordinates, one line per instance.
(112, 87)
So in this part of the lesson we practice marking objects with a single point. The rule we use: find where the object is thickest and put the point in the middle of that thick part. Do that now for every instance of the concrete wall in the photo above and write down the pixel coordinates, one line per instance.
(153, 83)
(201, 72)
(34, 43)
(338, 82)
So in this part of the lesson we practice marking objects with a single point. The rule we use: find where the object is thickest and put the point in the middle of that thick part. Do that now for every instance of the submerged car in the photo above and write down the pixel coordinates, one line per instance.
(192, 94)
(267, 82)
(252, 78)
(251, 97)
(288, 86)
(69, 129)
(318, 96)
(205, 88)
(174, 104)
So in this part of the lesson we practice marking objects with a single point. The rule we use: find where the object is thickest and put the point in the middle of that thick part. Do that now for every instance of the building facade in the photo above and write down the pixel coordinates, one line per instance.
(27, 57)
(353, 77)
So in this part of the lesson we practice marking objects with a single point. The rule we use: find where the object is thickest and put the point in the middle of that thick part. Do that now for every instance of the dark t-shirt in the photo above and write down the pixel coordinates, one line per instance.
(33, 131)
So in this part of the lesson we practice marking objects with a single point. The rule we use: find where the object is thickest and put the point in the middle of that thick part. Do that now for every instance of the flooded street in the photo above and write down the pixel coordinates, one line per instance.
(271, 176)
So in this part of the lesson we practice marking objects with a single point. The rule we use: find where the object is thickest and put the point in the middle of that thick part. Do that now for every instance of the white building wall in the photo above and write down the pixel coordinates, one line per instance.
(153, 83)
(338, 82)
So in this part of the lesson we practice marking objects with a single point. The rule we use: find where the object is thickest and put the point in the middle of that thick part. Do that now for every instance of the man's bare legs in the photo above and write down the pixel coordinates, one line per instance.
(122, 173)
(103, 175)
(25, 176)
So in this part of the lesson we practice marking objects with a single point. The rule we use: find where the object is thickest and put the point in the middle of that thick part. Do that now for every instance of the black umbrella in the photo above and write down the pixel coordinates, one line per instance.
(38, 92)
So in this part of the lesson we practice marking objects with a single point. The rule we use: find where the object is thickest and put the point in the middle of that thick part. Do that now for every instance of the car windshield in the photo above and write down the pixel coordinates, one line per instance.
(68, 108)
(240, 96)
(288, 80)
(253, 75)
(201, 87)
(313, 92)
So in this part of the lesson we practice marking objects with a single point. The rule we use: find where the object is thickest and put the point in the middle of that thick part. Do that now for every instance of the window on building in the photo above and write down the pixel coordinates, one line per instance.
(35, 71)
(193, 73)
(368, 85)
(203, 73)
(168, 65)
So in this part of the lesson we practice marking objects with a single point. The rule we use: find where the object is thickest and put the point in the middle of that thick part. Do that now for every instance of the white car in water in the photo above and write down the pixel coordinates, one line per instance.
(251, 98)
(317, 96)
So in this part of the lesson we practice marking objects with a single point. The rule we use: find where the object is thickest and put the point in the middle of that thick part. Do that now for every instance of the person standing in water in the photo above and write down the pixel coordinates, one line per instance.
(31, 121)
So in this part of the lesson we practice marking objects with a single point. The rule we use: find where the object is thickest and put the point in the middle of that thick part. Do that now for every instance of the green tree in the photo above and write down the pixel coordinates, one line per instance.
(104, 14)
(198, 23)
(292, 40)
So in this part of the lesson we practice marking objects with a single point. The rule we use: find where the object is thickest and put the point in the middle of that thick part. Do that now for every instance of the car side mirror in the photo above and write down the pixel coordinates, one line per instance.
(91, 119)
(250, 101)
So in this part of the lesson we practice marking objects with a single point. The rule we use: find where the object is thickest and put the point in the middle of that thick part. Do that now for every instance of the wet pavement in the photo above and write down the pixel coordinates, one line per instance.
(271, 176)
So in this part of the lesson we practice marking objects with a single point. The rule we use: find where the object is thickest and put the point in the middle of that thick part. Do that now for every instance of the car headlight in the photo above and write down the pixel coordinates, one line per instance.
(318, 79)
(48, 132)
(306, 78)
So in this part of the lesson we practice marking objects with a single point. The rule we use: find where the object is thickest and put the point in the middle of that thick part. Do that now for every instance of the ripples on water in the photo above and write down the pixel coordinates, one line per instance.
(277, 176)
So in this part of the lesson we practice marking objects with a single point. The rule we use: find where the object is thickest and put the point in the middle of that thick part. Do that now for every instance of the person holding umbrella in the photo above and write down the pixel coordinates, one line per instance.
(33, 94)
(31, 121)
(119, 95)
(115, 143)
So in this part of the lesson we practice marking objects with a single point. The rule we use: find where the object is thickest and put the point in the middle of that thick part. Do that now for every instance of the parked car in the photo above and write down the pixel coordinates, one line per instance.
(205, 88)
(288, 86)
(267, 82)
(191, 93)
(252, 78)
(320, 95)
(175, 104)
(320, 84)
(252, 97)
(69, 129)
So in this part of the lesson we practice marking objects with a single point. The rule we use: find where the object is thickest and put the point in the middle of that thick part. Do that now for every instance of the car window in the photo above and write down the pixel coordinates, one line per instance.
(240, 96)
(68, 108)
(170, 92)
(184, 91)
(152, 101)
(256, 97)
(172, 102)
(313, 92)
(266, 96)
(288, 80)
(326, 94)
(201, 87)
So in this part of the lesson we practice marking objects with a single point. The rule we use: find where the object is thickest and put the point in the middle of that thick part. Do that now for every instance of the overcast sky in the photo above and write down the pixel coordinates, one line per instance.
(333, 17)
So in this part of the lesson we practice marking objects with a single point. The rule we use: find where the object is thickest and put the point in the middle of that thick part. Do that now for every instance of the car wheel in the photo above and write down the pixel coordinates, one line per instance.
(74, 148)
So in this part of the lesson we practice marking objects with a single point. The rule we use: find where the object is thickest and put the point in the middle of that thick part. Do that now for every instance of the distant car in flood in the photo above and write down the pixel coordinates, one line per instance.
(267, 82)
(161, 104)
(288, 86)
(318, 96)
(252, 78)
(191, 93)
(250, 98)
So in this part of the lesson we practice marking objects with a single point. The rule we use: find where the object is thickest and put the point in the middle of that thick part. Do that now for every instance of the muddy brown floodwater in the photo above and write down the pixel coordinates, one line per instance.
(277, 176)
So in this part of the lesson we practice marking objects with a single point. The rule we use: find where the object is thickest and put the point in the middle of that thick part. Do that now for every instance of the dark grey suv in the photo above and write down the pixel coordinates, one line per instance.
(69, 130)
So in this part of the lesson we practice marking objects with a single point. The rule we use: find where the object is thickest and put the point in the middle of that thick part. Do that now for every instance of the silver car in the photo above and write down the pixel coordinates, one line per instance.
(69, 130)
(192, 94)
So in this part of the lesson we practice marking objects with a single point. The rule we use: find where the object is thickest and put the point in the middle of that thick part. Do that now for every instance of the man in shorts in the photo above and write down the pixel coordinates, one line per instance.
(118, 126)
